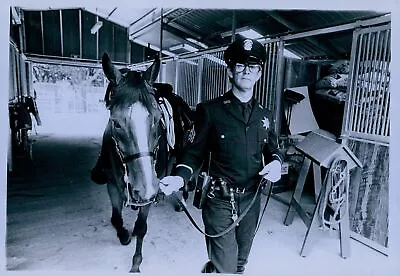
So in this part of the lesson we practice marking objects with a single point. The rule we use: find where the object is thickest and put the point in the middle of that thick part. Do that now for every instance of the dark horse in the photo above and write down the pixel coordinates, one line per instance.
(132, 141)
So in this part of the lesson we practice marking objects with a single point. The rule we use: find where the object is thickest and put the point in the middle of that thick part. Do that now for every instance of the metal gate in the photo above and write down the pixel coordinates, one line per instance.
(366, 131)
(367, 110)
(202, 76)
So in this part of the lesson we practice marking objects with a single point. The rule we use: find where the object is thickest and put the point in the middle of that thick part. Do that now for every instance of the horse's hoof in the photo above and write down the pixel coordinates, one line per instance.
(124, 237)
(178, 208)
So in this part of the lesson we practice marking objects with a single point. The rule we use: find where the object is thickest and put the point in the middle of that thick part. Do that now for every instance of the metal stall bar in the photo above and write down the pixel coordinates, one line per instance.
(367, 108)
(371, 81)
(214, 77)
(199, 80)
(386, 89)
(351, 109)
(268, 91)
(279, 86)
(377, 76)
(358, 80)
(376, 129)
(364, 83)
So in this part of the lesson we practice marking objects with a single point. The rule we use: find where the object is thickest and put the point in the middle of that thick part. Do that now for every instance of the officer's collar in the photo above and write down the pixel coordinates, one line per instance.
(229, 96)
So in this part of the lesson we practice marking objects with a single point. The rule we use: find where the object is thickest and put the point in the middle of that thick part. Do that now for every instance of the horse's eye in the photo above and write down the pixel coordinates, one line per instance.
(116, 124)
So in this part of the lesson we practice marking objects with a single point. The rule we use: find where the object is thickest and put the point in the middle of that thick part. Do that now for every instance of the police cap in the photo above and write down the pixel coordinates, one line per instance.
(245, 50)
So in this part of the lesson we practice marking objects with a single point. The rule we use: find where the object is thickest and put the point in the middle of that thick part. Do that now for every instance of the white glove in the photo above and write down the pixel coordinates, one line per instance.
(170, 184)
(272, 171)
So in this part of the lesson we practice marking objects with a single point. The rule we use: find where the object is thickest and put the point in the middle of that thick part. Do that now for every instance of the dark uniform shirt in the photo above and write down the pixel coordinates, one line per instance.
(237, 147)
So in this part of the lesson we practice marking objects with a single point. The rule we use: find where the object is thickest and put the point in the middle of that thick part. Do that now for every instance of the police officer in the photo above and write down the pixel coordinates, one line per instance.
(239, 134)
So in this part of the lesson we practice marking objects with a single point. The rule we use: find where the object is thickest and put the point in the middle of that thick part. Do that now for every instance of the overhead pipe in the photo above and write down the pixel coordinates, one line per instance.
(233, 26)
(161, 34)
(143, 16)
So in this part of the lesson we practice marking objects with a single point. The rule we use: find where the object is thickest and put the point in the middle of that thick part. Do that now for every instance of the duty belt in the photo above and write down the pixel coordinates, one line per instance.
(225, 189)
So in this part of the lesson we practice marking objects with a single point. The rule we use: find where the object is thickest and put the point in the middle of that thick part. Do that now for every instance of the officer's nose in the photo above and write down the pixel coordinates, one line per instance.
(246, 69)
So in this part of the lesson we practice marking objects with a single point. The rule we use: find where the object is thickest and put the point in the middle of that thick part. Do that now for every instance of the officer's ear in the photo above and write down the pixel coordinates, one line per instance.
(230, 71)
(259, 74)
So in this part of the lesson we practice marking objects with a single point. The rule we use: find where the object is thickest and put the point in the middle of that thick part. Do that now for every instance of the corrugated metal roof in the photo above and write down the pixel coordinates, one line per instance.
(208, 25)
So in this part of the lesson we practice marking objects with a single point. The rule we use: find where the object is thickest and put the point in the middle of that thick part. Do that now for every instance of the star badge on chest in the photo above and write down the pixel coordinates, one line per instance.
(265, 122)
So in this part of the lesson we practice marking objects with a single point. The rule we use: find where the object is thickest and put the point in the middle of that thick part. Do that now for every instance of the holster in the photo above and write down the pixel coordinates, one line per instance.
(221, 186)
(201, 190)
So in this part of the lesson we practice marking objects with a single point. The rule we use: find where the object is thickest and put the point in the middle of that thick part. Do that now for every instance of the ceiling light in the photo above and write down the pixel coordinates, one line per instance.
(194, 41)
(184, 46)
(245, 31)
(252, 34)
(290, 54)
(96, 27)
(155, 48)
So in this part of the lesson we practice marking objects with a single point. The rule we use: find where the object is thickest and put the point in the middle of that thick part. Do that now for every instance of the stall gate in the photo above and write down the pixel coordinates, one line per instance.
(203, 76)
(366, 131)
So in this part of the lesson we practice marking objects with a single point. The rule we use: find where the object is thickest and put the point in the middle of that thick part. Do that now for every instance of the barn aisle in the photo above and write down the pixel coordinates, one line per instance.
(58, 220)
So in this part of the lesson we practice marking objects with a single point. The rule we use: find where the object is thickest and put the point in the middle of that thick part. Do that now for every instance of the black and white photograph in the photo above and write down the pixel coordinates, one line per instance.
(179, 140)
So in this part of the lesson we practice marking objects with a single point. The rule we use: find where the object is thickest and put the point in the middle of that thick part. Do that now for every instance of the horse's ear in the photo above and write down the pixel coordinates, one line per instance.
(111, 72)
(152, 72)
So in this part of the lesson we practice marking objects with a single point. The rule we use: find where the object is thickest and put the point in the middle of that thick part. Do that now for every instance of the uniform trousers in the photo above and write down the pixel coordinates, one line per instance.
(229, 253)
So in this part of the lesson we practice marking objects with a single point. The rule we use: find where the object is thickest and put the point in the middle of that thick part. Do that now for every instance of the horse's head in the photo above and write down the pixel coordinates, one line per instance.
(133, 125)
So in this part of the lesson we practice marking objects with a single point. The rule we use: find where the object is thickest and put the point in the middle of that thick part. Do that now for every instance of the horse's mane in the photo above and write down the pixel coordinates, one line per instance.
(131, 89)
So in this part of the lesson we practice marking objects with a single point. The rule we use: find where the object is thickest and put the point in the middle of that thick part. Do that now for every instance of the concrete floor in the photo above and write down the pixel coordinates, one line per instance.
(59, 221)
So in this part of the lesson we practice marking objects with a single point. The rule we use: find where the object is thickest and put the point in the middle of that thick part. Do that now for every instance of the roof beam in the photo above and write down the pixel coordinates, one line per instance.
(313, 40)
(173, 25)
(158, 19)
(142, 17)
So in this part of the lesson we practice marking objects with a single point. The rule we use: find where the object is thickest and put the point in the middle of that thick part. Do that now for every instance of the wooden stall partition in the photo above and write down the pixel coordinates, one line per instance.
(369, 197)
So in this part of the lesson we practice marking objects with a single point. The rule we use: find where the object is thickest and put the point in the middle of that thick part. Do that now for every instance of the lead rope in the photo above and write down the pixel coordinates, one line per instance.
(268, 195)
(182, 203)
(336, 194)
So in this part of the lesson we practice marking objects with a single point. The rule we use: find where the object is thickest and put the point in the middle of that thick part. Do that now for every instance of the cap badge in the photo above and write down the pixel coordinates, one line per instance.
(265, 122)
(248, 44)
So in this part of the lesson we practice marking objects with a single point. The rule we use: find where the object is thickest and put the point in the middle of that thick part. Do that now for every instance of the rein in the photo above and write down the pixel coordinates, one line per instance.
(235, 223)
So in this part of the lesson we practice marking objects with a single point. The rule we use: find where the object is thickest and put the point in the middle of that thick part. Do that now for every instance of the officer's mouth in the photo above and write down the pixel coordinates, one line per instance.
(247, 79)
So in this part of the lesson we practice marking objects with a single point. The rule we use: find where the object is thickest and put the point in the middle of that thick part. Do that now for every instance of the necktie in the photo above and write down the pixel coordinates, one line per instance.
(246, 111)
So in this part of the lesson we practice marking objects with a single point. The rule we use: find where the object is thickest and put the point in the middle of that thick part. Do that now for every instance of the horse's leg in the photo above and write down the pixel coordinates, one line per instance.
(139, 231)
(116, 217)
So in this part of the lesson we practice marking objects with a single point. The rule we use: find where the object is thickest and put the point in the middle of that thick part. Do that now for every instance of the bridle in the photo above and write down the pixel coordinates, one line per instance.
(125, 179)
(128, 186)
